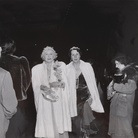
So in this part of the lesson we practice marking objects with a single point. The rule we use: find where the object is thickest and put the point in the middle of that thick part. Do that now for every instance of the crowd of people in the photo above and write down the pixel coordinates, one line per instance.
(66, 96)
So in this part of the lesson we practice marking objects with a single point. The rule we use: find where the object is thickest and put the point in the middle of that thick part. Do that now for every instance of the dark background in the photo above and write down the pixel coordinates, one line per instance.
(101, 28)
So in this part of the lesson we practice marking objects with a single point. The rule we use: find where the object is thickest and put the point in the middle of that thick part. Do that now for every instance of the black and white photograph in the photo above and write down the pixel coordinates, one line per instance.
(68, 69)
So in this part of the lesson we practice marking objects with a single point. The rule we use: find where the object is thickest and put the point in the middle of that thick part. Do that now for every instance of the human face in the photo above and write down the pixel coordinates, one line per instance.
(119, 65)
(75, 56)
(49, 56)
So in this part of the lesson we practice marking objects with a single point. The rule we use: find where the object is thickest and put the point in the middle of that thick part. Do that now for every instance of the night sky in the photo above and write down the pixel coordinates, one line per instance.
(88, 24)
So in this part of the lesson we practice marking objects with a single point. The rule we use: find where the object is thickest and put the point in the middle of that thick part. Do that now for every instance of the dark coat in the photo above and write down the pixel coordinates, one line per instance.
(20, 72)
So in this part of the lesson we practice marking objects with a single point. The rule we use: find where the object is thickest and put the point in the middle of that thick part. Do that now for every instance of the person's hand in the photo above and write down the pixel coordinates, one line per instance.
(54, 84)
(57, 84)
(110, 94)
(44, 88)
(110, 86)
(110, 90)
(89, 100)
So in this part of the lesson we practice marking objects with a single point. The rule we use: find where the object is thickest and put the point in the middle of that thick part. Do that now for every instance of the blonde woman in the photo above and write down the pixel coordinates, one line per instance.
(51, 97)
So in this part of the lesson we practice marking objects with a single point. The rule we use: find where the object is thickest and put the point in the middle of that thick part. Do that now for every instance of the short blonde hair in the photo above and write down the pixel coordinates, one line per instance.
(46, 49)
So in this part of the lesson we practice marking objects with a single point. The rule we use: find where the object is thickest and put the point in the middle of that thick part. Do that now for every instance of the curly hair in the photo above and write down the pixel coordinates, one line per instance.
(75, 48)
(8, 46)
(46, 49)
(122, 58)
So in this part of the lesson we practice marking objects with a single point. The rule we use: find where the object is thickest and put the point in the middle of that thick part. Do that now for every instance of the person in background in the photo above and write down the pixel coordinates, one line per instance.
(121, 93)
(84, 96)
(8, 101)
(51, 97)
(21, 77)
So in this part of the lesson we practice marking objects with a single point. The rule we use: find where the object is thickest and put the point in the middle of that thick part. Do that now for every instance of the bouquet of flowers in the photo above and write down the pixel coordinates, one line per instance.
(57, 69)
(48, 93)
(58, 73)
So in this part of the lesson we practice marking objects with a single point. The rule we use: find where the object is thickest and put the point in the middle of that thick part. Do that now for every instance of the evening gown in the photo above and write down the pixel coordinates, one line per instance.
(82, 124)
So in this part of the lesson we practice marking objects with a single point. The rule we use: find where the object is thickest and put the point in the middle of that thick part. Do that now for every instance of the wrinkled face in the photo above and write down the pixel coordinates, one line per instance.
(75, 56)
(119, 65)
(49, 56)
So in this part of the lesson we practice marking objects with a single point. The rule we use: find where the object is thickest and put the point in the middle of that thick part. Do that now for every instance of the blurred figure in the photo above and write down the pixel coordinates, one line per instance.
(20, 73)
(121, 93)
(51, 96)
(8, 101)
(84, 96)
(135, 115)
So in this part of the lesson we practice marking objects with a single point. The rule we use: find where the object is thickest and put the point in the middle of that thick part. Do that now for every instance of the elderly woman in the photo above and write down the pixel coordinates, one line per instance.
(121, 93)
(51, 97)
(84, 96)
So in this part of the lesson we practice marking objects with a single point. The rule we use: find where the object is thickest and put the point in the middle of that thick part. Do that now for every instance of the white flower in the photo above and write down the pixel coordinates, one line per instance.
(58, 71)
